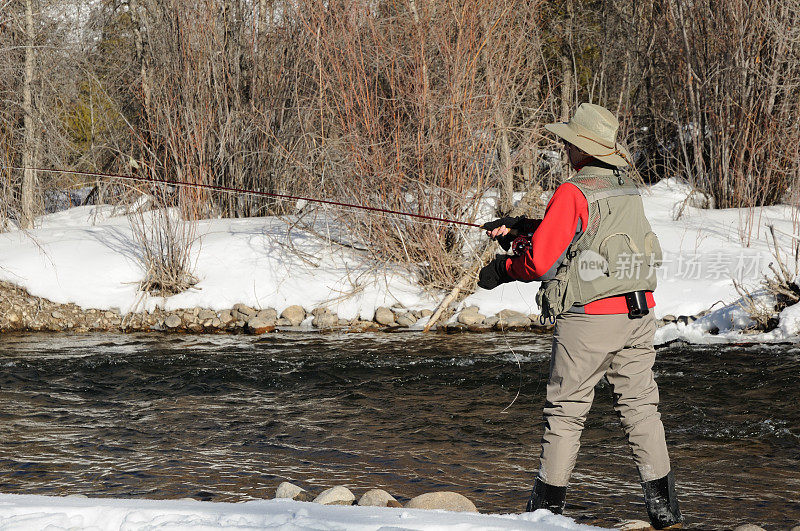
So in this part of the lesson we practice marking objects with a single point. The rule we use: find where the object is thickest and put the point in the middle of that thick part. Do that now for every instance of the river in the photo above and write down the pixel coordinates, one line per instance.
(226, 418)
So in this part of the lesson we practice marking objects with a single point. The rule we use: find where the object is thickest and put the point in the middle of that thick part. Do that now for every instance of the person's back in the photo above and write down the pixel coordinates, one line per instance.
(596, 255)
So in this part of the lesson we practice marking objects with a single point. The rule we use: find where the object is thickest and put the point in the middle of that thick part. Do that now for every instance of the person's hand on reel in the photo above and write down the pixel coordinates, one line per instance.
(505, 230)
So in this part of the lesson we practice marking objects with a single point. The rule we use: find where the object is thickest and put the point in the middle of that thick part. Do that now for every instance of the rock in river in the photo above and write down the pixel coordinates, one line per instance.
(512, 320)
(635, 525)
(292, 491)
(324, 319)
(384, 316)
(173, 321)
(225, 317)
(268, 314)
(258, 326)
(407, 320)
(447, 501)
(378, 498)
(335, 496)
(295, 314)
(470, 316)
(244, 310)
(206, 314)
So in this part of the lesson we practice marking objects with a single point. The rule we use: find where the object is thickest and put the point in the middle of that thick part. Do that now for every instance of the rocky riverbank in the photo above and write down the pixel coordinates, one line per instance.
(340, 495)
(440, 500)
(20, 311)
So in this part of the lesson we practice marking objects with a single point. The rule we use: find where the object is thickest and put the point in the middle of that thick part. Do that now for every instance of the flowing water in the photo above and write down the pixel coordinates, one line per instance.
(227, 418)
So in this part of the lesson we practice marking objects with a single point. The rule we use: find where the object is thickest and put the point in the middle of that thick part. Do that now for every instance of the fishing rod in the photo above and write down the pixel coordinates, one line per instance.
(230, 189)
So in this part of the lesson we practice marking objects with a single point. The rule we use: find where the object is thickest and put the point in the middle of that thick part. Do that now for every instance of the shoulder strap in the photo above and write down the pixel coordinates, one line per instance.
(597, 186)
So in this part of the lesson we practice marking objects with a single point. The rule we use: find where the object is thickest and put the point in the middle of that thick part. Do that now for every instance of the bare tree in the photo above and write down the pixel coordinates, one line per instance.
(29, 147)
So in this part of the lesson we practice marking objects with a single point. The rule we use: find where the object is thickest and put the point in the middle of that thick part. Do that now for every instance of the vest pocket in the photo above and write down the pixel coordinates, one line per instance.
(652, 250)
(624, 258)
(558, 295)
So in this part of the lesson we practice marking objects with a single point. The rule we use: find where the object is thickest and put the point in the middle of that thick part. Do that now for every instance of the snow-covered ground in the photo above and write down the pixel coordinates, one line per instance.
(26, 512)
(88, 256)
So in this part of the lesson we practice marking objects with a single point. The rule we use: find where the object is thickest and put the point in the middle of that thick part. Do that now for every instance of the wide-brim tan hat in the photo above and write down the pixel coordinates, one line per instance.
(594, 130)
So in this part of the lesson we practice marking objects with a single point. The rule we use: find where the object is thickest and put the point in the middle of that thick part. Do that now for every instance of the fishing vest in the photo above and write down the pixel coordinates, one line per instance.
(616, 253)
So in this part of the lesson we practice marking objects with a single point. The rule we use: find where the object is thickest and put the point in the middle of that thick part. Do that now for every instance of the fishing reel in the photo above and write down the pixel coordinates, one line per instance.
(521, 244)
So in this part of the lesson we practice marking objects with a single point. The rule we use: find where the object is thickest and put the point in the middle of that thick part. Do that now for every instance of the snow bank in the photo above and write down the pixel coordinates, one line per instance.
(91, 258)
(731, 324)
(790, 321)
(704, 249)
(24, 512)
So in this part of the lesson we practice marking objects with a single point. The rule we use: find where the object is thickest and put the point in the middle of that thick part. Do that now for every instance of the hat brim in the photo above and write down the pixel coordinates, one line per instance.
(594, 149)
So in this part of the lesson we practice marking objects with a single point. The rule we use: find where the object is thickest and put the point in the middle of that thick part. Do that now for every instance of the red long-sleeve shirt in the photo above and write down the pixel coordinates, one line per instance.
(564, 220)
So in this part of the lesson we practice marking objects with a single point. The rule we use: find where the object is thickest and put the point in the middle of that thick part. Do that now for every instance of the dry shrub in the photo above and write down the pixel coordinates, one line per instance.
(218, 92)
(410, 106)
(165, 239)
(417, 107)
(732, 104)
(779, 287)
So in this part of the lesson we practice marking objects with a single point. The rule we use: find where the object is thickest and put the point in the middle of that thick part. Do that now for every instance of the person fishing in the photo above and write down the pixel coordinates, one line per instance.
(595, 254)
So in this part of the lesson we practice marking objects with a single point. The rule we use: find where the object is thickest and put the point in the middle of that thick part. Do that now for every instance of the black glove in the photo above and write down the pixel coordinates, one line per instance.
(494, 273)
(518, 225)
(508, 221)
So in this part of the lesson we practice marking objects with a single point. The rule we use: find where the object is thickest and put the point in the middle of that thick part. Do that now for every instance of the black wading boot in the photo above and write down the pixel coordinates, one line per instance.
(546, 496)
(662, 504)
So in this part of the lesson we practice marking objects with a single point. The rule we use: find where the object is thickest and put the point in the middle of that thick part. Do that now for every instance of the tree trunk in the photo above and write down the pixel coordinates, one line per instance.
(140, 41)
(566, 66)
(501, 127)
(29, 161)
(506, 171)
(566, 89)
(698, 125)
